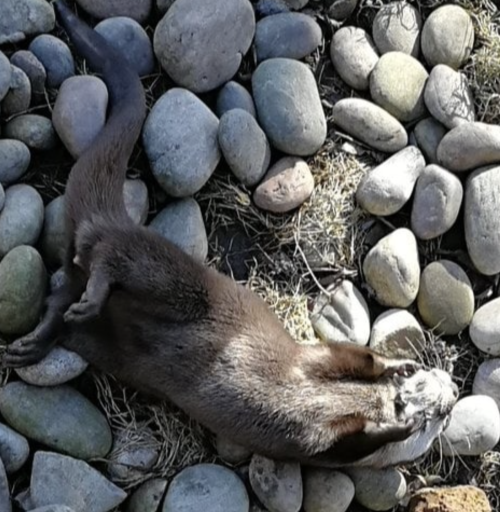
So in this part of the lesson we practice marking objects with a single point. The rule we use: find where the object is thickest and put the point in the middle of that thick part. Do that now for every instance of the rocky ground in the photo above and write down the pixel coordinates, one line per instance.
(340, 157)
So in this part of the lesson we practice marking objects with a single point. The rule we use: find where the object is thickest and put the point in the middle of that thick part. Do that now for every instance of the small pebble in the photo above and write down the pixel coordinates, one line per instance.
(230, 452)
(487, 380)
(2, 197)
(148, 496)
(5, 504)
(136, 197)
(5, 75)
(33, 68)
(428, 135)
(448, 36)
(18, 98)
(53, 508)
(244, 145)
(354, 56)
(341, 9)
(326, 490)
(14, 449)
(370, 123)
(287, 184)
(233, 95)
(271, 7)
(485, 328)
(56, 58)
(138, 10)
(35, 131)
(15, 158)
(53, 239)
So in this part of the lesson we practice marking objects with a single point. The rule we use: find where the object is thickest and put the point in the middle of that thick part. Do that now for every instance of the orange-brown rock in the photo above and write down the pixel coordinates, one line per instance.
(463, 498)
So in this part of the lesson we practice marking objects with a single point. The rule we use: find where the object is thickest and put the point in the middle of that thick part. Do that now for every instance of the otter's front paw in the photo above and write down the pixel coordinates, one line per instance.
(83, 311)
(25, 351)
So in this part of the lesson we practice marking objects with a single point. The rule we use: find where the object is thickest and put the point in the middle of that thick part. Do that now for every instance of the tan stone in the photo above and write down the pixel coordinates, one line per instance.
(464, 498)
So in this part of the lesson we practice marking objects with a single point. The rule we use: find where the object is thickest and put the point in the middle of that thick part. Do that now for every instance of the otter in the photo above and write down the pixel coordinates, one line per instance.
(135, 306)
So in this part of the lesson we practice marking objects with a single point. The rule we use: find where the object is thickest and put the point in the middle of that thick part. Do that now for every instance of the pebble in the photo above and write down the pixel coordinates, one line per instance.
(128, 37)
(271, 7)
(206, 487)
(474, 427)
(53, 508)
(23, 281)
(388, 187)
(288, 106)
(244, 145)
(461, 498)
(18, 98)
(33, 68)
(396, 333)
(181, 222)
(232, 96)
(201, 45)
(470, 146)
(35, 131)
(481, 219)
(392, 269)
(428, 134)
(448, 36)
(370, 124)
(378, 489)
(138, 10)
(445, 300)
(353, 56)
(436, 203)
(136, 198)
(404, 99)
(343, 316)
(448, 97)
(296, 4)
(80, 112)
(287, 184)
(5, 504)
(81, 430)
(341, 9)
(292, 35)
(2, 197)
(55, 57)
(180, 140)
(396, 28)
(25, 18)
(278, 485)
(485, 328)
(5, 75)
(61, 479)
(230, 452)
(487, 380)
(21, 219)
(53, 239)
(148, 496)
(58, 367)
(164, 5)
(57, 279)
(14, 449)
(326, 490)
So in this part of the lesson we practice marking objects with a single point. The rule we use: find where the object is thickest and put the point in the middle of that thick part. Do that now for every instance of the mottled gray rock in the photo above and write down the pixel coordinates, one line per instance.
(354, 56)
(469, 146)
(80, 112)
(448, 36)
(233, 95)
(404, 99)
(244, 146)
(341, 9)
(58, 417)
(56, 58)
(23, 282)
(2, 197)
(378, 489)
(436, 204)
(428, 135)
(370, 124)
(231, 452)
(278, 485)
(5, 504)
(396, 333)
(445, 299)
(164, 5)
(53, 239)
(206, 487)
(33, 68)
(482, 222)
(136, 197)
(344, 316)
(181, 222)
(180, 139)
(21, 219)
(487, 380)
(287, 184)
(14, 449)
(292, 35)
(15, 158)
(485, 328)
(201, 45)
(5, 75)
(147, 497)
(396, 28)
(392, 269)
(128, 37)
(387, 188)
(61, 479)
(474, 427)
(138, 10)
(288, 106)
(18, 98)
(24, 18)
(271, 7)
(35, 131)
(448, 97)
(53, 508)
(57, 367)
(326, 490)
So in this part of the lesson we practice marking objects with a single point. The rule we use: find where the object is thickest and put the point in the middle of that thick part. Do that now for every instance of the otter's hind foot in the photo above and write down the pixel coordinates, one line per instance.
(27, 350)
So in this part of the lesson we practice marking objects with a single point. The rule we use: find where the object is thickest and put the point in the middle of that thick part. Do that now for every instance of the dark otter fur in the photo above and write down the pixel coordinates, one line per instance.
(137, 307)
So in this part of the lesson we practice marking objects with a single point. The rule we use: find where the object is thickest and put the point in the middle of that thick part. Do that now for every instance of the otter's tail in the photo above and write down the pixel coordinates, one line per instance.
(95, 184)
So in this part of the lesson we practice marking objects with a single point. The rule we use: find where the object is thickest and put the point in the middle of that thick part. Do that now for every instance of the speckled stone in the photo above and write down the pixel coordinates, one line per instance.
(233, 95)
(34, 130)
(485, 328)
(18, 98)
(428, 135)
